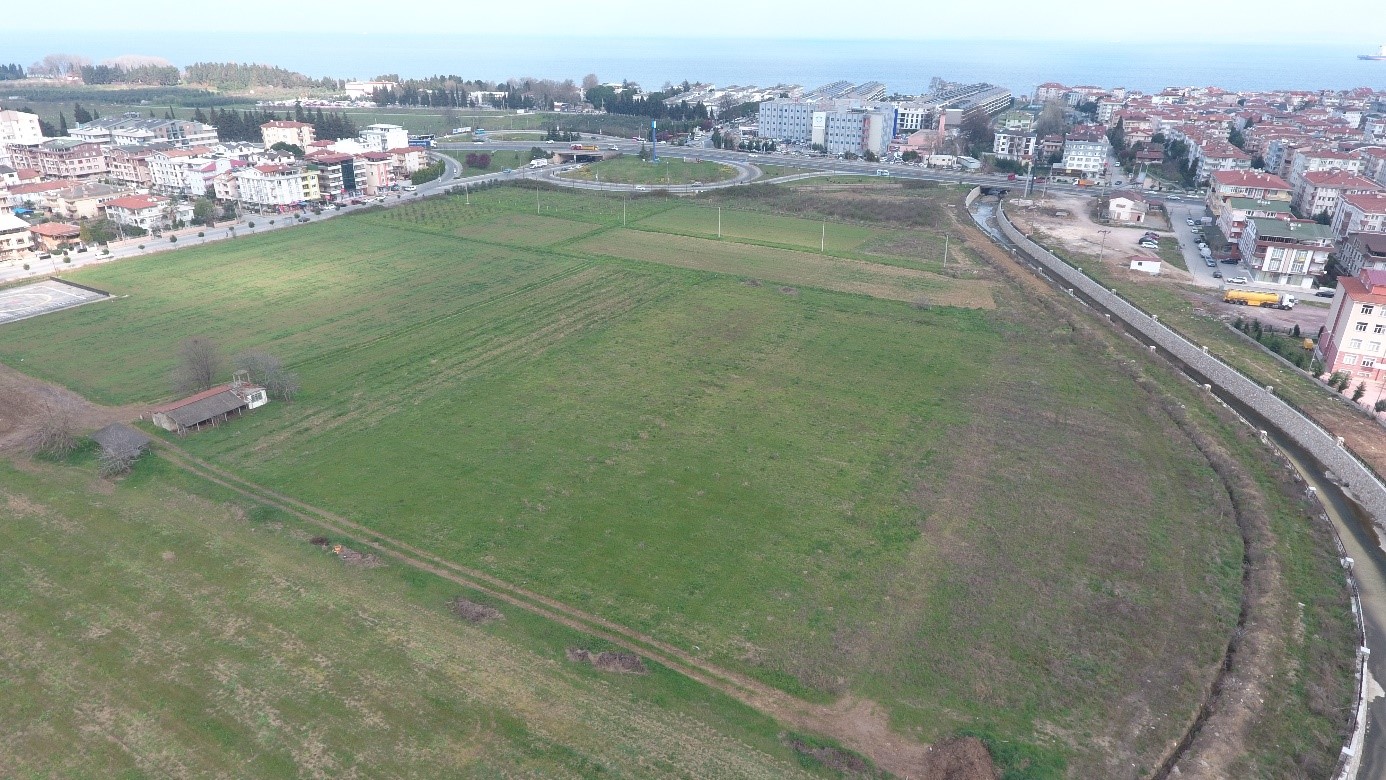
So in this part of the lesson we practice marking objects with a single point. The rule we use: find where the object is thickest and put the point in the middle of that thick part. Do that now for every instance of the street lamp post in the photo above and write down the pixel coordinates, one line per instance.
(1101, 249)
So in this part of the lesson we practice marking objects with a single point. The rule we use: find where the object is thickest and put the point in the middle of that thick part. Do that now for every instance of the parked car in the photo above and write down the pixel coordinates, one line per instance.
(1230, 261)
(1149, 245)
(1217, 274)
(1238, 280)
(1210, 262)
(1190, 222)
(409, 188)
(1324, 293)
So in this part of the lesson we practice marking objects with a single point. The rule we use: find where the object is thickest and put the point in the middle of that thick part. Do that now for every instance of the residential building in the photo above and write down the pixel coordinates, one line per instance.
(858, 130)
(786, 120)
(407, 159)
(374, 168)
(38, 194)
(85, 200)
(359, 90)
(381, 137)
(1360, 214)
(55, 236)
(147, 212)
(1014, 146)
(1361, 250)
(1285, 251)
(19, 127)
(338, 175)
(1127, 206)
(1355, 335)
(298, 134)
(1318, 192)
(131, 129)
(130, 165)
(60, 158)
(1224, 185)
(1310, 160)
(277, 187)
(1086, 157)
(15, 238)
(1236, 211)
(1050, 90)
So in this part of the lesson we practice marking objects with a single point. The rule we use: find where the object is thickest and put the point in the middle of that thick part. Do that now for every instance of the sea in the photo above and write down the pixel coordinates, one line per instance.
(904, 66)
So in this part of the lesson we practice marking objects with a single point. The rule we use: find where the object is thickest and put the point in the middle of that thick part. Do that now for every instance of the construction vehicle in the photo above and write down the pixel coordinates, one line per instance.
(1266, 299)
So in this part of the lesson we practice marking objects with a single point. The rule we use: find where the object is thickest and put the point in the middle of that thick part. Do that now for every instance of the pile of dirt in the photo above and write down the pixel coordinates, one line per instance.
(751, 282)
(353, 558)
(320, 541)
(473, 612)
(960, 758)
(608, 661)
(789, 290)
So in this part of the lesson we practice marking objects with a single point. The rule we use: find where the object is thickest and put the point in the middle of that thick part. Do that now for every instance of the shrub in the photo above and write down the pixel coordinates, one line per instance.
(173, 239)
(1380, 405)
(250, 224)
(26, 266)
(67, 259)
(200, 234)
(141, 246)
(1359, 391)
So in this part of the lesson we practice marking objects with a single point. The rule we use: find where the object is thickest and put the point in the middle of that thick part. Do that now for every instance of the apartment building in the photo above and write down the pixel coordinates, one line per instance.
(1014, 146)
(339, 176)
(1364, 213)
(1318, 192)
(131, 129)
(147, 212)
(1310, 160)
(17, 127)
(1355, 335)
(298, 134)
(1236, 211)
(60, 158)
(276, 186)
(1225, 185)
(15, 238)
(1087, 157)
(130, 165)
(857, 130)
(85, 200)
(381, 137)
(1285, 251)
(1362, 250)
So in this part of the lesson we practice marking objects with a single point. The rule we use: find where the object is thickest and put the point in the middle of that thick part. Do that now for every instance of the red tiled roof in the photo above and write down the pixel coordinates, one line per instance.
(192, 399)
(42, 186)
(1368, 202)
(136, 202)
(1250, 179)
(285, 124)
(55, 230)
(408, 150)
(1340, 179)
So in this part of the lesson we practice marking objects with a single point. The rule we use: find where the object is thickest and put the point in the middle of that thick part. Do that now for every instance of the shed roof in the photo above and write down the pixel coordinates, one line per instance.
(221, 402)
(117, 434)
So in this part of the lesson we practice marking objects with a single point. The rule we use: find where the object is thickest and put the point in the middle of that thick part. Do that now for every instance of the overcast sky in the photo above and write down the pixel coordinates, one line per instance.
(1174, 20)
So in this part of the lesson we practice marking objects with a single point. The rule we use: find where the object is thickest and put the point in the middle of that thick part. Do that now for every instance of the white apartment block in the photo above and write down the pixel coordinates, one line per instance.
(15, 238)
(787, 120)
(858, 130)
(17, 127)
(60, 158)
(298, 134)
(1360, 214)
(1089, 157)
(1355, 336)
(382, 138)
(275, 186)
(1014, 146)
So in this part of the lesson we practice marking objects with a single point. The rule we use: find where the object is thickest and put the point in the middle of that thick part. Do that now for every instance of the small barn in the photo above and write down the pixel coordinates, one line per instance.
(118, 436)
(1127, 206)
(210, 407)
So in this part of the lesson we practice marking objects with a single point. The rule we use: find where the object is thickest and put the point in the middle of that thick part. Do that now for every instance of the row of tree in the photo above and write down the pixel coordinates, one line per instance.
(233, 125)
(652, 104)
(160, 75)
(456, 92)
(240, 75)
(11, 72)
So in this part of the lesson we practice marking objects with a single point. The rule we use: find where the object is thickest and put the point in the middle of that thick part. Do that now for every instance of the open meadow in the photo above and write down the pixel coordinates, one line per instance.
(670, 170)
(853, 474)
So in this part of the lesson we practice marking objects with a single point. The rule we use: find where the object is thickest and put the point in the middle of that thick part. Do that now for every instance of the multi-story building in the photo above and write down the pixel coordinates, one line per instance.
(147, 212)
(298, 134)
(374, 168)
(60, 158)
(131, 129)
(1225, 185)
(1236, 211)
(17, 127)
(1355, 335)
(338, 175)
(787, 120)
(1050, 90)
(1360, 214)
(276, 186)
(1309, 160)
(1014, 146)
(406, 160)
(1086, 156)
(1285, 251)
(1318, 192)
(1361, 250)
(130, 165)
(858, 130)
(15, 238)
(85, 200)
(381, 137)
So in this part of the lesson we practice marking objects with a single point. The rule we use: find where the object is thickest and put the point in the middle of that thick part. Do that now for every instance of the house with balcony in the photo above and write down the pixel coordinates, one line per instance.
(15, 238)
(338, 175)
(1014, 146)
(1362, 250)
(1355, 336)
(1318, 192)
(60, 158)
(277, 187)
(1236, 211)
(1225, 185)
(55, 236)
(150, 213)
(1364, 213)
(1285, 251)
(298, 134)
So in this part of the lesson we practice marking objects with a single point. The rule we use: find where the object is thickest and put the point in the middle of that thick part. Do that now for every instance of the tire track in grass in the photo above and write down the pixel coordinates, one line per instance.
(858, 724)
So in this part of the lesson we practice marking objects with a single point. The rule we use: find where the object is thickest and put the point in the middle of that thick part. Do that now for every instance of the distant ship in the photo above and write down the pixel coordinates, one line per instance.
(1380, 55)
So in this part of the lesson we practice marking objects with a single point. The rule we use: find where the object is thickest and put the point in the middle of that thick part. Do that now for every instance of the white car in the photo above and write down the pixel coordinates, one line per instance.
(1238, 280)
(1189, 222)
(409, 188)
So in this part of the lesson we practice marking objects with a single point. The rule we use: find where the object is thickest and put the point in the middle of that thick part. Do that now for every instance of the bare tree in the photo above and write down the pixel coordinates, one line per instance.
(54, 437)
(589, 81)
(267, 370)
(199, 364)
(59, 65)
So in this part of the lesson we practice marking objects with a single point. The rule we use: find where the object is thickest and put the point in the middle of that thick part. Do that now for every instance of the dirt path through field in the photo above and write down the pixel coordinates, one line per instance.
(858, 724)
(25, 402)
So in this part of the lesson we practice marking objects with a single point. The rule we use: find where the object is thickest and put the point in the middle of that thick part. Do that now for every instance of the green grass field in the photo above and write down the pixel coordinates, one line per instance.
(500, 160)
(666, 171)
(955, 512)
(165, 627)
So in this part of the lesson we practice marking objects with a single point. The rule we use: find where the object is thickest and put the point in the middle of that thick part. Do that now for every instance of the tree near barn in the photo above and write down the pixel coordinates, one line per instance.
(269, 371)
(199, 363)
(55, 437)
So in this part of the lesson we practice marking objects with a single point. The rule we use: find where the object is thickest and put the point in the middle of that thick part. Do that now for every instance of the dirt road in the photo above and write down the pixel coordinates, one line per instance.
(27, 401)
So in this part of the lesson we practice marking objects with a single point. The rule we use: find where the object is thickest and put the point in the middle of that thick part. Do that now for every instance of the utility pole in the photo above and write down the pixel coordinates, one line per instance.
(1102, 248)
(823, 238)
(719, 221)
(945, 249)
(624, 201)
